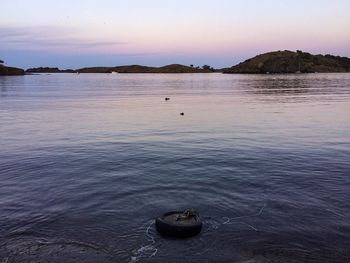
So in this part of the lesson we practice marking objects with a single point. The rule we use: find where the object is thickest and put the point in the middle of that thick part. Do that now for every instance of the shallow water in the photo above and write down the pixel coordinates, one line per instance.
(88, 161)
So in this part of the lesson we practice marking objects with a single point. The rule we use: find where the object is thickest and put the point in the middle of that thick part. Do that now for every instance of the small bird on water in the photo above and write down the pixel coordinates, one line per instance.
(182, 114)
(167, 98)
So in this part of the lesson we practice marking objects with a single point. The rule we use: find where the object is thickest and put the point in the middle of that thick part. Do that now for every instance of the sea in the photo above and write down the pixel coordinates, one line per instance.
(88, 161)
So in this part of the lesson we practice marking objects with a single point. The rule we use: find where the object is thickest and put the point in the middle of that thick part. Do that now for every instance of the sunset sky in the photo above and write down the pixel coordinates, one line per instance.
(77, 33)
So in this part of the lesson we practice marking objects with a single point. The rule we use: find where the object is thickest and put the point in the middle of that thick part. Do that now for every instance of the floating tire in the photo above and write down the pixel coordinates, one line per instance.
(168, 225)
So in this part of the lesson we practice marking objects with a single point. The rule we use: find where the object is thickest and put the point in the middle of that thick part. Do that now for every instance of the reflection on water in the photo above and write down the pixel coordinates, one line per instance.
(88, 161)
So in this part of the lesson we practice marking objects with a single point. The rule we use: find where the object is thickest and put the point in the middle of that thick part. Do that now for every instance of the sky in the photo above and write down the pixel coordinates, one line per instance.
(220, 33)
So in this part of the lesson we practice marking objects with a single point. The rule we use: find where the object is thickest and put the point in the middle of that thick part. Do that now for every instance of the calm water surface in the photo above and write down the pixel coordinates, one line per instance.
(88, 161)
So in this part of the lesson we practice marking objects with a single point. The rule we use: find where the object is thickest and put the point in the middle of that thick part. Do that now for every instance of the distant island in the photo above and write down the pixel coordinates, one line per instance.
(291, 62)
(278, 62)
(49, 70)
(4, 70)
(174, 68)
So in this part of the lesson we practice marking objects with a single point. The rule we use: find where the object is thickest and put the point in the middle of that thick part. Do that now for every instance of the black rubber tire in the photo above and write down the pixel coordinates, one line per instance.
(168, 229)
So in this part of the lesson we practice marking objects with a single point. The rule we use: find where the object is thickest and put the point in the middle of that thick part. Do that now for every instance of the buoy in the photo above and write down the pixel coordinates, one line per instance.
(167, 98)
(179, 224)
(182, 114)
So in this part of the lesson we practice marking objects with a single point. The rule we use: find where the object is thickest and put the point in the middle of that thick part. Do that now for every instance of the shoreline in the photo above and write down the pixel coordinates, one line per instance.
(277, 62)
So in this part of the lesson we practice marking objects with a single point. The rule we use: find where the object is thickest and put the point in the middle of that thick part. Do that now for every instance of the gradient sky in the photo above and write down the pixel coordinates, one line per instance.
(77, 33)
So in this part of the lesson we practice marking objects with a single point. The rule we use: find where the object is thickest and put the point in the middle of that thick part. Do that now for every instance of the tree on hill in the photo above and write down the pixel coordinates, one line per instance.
(208, 68)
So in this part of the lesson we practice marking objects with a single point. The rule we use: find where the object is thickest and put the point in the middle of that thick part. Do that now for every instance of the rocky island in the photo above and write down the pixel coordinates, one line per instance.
(9, 71)
(291, 62)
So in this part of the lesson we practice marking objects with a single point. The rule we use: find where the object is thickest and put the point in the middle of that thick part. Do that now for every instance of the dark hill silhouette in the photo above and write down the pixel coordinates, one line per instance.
(8, 71)
(291, 62)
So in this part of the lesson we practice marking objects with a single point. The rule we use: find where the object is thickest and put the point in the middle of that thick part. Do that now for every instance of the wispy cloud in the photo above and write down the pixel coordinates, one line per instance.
(49, 38)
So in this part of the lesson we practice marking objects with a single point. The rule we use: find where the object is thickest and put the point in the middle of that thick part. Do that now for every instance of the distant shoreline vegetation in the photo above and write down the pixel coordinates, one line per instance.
(174, 68)
(278, 62)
